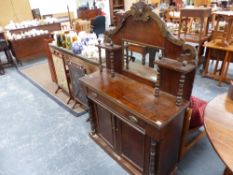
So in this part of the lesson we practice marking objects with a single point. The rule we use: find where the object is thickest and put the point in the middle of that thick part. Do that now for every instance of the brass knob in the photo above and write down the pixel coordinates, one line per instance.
(133, 119)
(94, 95)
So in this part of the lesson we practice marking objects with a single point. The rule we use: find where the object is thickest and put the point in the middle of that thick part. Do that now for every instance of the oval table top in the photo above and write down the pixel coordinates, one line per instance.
(218, 121)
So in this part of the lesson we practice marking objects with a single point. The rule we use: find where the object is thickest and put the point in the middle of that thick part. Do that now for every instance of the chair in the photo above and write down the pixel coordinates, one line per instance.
(193, 121)
(2, 71)
(6, 49)
(98, 25)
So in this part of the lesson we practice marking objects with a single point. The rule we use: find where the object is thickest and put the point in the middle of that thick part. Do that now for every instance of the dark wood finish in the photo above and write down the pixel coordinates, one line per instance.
(218, 122)
(88, 14)
(139, 129)
(2, 36)
(144, 27)
(28, 48)
(50, 27)
(143, 118)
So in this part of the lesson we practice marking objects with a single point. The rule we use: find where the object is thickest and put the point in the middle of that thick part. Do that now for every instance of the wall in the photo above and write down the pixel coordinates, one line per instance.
(16, 10)
(201, 2)
(55, 6)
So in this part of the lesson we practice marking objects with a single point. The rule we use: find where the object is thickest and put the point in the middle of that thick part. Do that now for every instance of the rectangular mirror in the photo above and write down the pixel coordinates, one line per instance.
(139, 59)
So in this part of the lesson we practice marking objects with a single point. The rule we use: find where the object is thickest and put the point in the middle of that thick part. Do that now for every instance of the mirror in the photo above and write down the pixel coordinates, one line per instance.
(139, 59)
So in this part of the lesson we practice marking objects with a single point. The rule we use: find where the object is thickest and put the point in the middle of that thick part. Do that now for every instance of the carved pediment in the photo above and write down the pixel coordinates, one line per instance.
(141, 11)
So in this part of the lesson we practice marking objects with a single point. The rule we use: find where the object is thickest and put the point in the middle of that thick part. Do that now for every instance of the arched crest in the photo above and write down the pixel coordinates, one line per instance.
(142, 12)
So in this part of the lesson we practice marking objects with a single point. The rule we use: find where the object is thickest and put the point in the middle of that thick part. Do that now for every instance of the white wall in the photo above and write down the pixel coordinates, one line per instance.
(53, 6)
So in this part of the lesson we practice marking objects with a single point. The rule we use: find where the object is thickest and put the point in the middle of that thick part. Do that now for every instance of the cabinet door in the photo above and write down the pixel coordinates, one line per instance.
(132, 144)
(105, 125)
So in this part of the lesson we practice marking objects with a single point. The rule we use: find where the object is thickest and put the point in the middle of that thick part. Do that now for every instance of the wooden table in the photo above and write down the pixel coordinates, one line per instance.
(227, 16)
(188, 15)
(218, 122)
(212, 45)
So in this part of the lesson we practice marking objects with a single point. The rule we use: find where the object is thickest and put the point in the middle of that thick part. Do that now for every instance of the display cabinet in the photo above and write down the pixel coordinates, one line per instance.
(136, 119)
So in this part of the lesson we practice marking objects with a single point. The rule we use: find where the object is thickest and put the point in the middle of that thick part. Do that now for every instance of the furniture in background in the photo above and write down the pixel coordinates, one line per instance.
(218, 122)
(219, 53)
(36, 13)
(82, 25)
(116, 6)
(227, 17)
(88, 14)
(28, 48)
(98, 25)
(32, 47)
(194, 27)
(50, 27)
(138, 121)
(4, 47)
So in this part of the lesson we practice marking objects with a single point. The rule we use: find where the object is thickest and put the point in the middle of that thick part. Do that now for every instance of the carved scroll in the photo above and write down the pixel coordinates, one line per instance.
(152, 163)
(179, 97)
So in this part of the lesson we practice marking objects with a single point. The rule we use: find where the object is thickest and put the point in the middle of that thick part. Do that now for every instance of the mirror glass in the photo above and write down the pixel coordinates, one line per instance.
(139, 59)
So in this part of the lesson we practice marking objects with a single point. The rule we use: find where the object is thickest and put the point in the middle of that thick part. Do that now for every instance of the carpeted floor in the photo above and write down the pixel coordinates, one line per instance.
(39, 137)
(39, 74)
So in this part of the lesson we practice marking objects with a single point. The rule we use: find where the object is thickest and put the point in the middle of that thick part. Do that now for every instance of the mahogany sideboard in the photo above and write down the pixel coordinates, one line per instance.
(135, 120)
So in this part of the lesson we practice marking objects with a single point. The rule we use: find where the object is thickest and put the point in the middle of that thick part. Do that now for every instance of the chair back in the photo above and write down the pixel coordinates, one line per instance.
(99, 25)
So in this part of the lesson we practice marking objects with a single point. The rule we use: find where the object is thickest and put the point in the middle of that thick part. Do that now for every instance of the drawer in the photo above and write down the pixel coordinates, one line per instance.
(116, 110)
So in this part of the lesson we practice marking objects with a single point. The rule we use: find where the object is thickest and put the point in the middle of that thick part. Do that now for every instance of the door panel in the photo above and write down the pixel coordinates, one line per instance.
(133, 145)
(105, 125)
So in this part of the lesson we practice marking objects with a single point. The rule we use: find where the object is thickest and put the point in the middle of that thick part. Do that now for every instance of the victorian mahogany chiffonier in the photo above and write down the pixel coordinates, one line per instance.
(136, 110)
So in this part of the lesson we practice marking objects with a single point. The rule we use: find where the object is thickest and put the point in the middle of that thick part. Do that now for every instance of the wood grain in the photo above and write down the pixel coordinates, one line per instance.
(218, 121)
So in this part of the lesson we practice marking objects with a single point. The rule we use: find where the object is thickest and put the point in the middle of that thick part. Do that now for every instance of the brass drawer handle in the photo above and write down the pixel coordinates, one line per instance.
(94, 95)
(133, 119)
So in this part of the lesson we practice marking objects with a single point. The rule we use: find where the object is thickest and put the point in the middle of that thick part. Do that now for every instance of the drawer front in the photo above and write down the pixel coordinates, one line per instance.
(117, 110)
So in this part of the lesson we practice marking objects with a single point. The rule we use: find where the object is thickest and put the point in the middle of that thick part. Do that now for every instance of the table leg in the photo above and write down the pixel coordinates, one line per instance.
(224, 69)
(206, 67)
